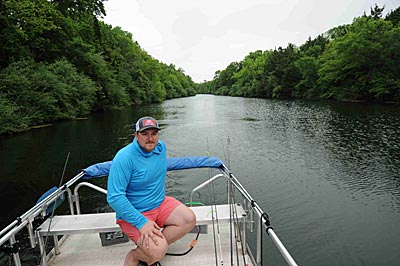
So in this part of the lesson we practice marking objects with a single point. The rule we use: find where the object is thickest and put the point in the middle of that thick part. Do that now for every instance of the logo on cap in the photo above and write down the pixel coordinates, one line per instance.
(149, 122)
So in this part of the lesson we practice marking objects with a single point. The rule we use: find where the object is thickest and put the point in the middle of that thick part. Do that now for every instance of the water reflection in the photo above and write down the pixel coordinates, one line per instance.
(327, 173)
(363, 144)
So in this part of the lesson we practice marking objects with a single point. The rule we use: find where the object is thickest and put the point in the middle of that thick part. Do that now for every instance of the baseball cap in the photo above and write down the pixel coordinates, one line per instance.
(145, 123)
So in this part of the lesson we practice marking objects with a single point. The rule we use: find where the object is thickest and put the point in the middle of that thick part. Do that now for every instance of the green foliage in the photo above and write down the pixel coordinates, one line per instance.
(376, 12)
(59, 61)
(307, 67)
(75, 8)
(36, 93)
(338, 32)
(356, 62)
(248, 78)
(355, 66)
(27, 28)
(10, 120)
(225, 78)
(394, 17)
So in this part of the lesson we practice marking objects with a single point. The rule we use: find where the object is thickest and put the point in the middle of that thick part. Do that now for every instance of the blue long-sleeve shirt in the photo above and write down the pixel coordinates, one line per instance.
(136, 182)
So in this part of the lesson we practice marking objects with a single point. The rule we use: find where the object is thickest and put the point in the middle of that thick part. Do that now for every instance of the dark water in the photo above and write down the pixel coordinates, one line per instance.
(328, 174)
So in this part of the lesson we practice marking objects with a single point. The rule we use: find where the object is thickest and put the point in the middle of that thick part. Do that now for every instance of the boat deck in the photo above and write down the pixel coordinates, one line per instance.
(86, 250)
(95, 239)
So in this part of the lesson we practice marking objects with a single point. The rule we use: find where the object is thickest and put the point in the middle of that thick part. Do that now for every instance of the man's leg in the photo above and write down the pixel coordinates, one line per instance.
(180, 222)
(149, 255)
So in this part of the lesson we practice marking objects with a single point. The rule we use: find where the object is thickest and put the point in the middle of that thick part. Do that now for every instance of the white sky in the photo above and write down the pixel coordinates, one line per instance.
(203, 36)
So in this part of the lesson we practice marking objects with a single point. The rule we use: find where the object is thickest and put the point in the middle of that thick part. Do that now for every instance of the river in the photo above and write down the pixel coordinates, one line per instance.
(327, 173)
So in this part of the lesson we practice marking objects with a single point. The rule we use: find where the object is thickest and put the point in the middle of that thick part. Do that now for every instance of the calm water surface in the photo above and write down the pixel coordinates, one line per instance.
(328, 174)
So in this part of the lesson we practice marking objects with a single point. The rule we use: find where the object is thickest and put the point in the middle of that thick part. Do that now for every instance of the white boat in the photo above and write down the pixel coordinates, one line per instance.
(220, 237)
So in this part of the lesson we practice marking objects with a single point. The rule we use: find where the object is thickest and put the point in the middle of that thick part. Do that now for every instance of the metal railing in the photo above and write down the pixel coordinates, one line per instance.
(255, 209)
(260, 215)
(76, 194)
(26, 220)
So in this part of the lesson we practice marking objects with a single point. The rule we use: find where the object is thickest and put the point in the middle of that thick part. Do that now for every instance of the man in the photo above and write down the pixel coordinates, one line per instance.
(136, 191)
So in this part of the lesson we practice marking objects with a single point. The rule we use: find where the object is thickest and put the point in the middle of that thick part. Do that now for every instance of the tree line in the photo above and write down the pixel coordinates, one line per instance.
(59, 60)
(355, 62)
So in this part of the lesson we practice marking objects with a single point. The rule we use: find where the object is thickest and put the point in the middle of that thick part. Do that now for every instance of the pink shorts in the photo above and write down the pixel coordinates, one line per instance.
(159, 215)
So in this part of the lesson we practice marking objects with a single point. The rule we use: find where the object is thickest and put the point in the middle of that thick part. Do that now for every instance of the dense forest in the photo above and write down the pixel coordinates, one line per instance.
(59, 60)
(356, 62)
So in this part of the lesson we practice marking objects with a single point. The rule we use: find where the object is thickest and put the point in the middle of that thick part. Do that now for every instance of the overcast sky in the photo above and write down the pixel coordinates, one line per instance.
(203, 36)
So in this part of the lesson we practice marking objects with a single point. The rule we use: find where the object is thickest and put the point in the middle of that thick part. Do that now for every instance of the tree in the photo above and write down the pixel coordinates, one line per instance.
(38, 93)
(307, 67)
(337, 32)
(29, 29)
(250, 78)
(359, 61)
(358, 65)
(394, 17)
(78, 8)
(225, 79)
(283, 72)
(376, 12)
(58, 60)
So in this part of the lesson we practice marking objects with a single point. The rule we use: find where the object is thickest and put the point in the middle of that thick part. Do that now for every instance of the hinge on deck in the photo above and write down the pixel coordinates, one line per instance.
(10, 248)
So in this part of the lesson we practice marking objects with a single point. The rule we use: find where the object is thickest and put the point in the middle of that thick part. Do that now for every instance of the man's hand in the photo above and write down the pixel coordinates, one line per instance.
(150, 231)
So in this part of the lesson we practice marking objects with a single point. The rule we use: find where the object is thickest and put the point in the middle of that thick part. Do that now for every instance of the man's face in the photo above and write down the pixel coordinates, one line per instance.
(147, 139)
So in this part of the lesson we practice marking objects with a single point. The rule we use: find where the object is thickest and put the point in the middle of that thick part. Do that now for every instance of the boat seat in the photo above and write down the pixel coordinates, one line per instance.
(105, 222)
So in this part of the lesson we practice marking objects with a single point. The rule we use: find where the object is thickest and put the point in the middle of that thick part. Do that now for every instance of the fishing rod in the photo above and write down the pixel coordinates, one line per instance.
(264, 218)
(215, 220)
(234, 219)
(21, 221)
(215, 223)
(43, 253)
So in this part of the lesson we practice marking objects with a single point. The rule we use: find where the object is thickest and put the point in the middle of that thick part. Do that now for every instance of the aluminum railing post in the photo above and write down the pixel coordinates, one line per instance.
(259, 236)
(17, 260)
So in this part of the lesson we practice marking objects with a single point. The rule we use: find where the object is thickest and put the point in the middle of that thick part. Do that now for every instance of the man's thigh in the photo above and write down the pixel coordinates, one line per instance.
(166, 209)
(181, 215)
(133, 233)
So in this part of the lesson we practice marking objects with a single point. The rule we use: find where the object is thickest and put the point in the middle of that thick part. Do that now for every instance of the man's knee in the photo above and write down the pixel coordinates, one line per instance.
(192, 218)
(156, 253)
(182, 217)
